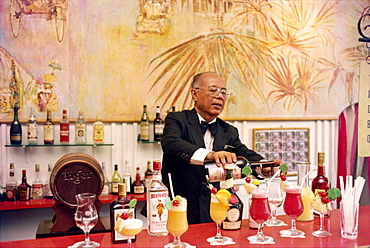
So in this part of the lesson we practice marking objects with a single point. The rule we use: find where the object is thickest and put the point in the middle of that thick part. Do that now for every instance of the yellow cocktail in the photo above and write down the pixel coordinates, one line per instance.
(128, 227)
(217, 210)
(177, 222)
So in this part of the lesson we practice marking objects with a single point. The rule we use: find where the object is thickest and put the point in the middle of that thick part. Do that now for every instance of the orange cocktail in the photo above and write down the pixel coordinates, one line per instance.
(217, 210)
(177, 222)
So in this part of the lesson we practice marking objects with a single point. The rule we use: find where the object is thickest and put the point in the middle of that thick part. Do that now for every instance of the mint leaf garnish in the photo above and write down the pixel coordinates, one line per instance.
(333, 193)
(246, 170)
(284, 167)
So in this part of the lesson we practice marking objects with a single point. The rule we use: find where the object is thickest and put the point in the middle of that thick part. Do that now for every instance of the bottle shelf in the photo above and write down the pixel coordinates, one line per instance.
(47, 203)
(59, 144)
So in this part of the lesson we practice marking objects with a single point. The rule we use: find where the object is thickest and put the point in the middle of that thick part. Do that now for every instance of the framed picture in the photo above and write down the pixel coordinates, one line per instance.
(290, 145)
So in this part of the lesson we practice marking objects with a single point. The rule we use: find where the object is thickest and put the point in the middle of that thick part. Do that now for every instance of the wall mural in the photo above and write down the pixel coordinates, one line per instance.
(283, 59)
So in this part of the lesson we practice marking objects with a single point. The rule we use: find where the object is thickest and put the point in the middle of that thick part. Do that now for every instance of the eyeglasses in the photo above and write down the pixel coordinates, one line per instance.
(213, 90)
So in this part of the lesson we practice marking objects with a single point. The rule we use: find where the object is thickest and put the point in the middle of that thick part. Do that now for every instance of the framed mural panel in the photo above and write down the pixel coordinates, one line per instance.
(290, 145)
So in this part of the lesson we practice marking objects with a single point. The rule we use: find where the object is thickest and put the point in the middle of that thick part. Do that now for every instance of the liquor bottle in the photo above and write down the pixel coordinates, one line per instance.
(106, 189)
(127, 177)
(320, 181)
(98, 131)
(234, 216)
(32, 132)
(158, 125)
(157, 213)
(116, 179)
(64, 128)
(15, 129)
(37, 185)
(148, 175)
(117, 207)
(80, 129)
(48, 193)
(48, 129)
(24, 189)
(144, 125)
(138, 186)
(11, 185)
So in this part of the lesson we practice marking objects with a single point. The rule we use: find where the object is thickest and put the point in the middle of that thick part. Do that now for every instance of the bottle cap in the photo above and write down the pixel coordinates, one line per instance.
(122, 189)
(11, 166)
(37, 167)
(23, 172)
(157, 165)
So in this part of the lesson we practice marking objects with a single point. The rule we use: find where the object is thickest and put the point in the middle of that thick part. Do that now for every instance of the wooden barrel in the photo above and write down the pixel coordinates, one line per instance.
(75, 173)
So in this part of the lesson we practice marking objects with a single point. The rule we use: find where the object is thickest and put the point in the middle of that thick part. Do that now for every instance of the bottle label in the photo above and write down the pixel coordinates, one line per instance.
(37, 190)
(24, 194)
(11, 193)
(158, 129)
(105, 190)
(233, 214)
(117, 214)
(64, 132)
(98, 133)
(144, 131)
(32, 132)
(48, 132)
(128, 183)
(80, 130)
(157, 177)
(157, 212)
(148, 181)
(115, 187)
(16, 137)
(139, 189)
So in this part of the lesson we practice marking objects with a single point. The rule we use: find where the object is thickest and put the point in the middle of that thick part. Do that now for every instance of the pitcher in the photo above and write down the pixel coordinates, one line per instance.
(307, 194)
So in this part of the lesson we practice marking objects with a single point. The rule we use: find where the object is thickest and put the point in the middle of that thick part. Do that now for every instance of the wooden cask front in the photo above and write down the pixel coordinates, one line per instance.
(75, 173)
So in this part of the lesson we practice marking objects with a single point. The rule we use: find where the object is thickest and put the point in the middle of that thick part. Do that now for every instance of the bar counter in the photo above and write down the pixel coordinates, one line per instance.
(197, 235)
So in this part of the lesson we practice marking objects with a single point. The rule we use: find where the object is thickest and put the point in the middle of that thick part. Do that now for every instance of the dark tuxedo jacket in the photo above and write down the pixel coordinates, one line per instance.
(182, 137)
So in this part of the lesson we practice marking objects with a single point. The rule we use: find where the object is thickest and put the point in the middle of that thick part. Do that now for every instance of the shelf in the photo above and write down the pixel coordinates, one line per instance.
(60, 144)
(48, 203)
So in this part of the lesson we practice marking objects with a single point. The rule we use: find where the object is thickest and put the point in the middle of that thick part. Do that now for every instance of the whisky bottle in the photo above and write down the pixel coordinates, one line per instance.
(157, 213)
(24, 189)
(64, 128)
(48, 129)
(138, 186)
(98, 131)
(80, 137)
(116, 179)
(32, 132)
(106, 189)
(320, 181)
(148, 175)
(48, 194)
(11, 185)
(234, 216)
(117, 207)
(158, 125)
(15, 129)
(37, 185)
(144, 125)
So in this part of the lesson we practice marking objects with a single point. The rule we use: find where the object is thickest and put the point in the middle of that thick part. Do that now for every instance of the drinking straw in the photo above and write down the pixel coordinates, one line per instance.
(269, 181)
(304, 178)
(171, 187)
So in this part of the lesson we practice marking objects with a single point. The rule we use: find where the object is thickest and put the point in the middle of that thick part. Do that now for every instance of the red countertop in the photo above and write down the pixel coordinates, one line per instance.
(197, 235)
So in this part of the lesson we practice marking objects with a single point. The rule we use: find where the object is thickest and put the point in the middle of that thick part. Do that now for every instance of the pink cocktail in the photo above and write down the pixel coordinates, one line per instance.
(293, 207)
(260, 212)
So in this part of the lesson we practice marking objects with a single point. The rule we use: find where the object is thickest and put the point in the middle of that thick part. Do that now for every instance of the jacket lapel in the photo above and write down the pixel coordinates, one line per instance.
(194, 128)
(220, 138)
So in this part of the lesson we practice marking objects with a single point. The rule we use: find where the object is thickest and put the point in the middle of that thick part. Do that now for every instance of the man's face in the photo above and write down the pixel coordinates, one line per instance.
(207, 103)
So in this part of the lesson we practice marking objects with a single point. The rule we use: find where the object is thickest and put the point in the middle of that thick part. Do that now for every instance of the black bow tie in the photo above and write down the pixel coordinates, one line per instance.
(212, 127)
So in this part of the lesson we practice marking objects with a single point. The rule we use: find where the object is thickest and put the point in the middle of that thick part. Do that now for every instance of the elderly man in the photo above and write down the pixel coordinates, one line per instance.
(194, 136)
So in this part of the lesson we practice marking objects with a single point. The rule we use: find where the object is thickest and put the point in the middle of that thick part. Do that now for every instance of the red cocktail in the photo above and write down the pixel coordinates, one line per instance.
(260, 212)
(293, 207)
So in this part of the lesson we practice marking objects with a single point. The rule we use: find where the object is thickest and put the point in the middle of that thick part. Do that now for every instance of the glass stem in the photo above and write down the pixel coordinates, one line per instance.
(273, 214)
(321, 222)
(177, 240)
(218, 233)
(293, 225)
(259, 232)
(87, 237)
(129, 241)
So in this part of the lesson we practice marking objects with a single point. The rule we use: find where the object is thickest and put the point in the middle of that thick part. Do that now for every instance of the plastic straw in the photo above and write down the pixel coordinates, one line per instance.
(272, 178)
(304, 178)
(171, 187)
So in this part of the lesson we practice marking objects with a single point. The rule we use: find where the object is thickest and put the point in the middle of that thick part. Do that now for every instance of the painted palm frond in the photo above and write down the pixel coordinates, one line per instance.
(296, 14)
(324, 23)
(220, 51)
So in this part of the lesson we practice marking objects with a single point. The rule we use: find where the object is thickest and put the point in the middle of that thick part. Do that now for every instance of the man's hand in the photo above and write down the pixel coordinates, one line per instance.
(221, 158)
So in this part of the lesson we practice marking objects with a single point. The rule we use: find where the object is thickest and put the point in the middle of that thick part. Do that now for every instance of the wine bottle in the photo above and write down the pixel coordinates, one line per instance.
(80, 129)
(320, 181)
(144, 125)
(127, 177)
(11, 185)
(158, 125)
(148, 175)
(64, 128)
(24, 189)
(48, 129)
(116, 179)
(106, 188)
(15, 129)
(48, 193)
(32, 132)
(37, 185)
(157, 213)
(234, 216)
(117, 207)
(138, 186)
(98, 131)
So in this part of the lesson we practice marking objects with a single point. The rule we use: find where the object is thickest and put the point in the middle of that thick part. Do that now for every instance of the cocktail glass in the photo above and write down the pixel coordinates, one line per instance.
(129, 228)
(177, 223)
(322, 209)
(275, 198)
(260, 212)
(86, 217)
(218, 213)
(293, 207)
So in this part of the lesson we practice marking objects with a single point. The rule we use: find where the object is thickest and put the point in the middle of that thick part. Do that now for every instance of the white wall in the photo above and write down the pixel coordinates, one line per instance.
(323, 138)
